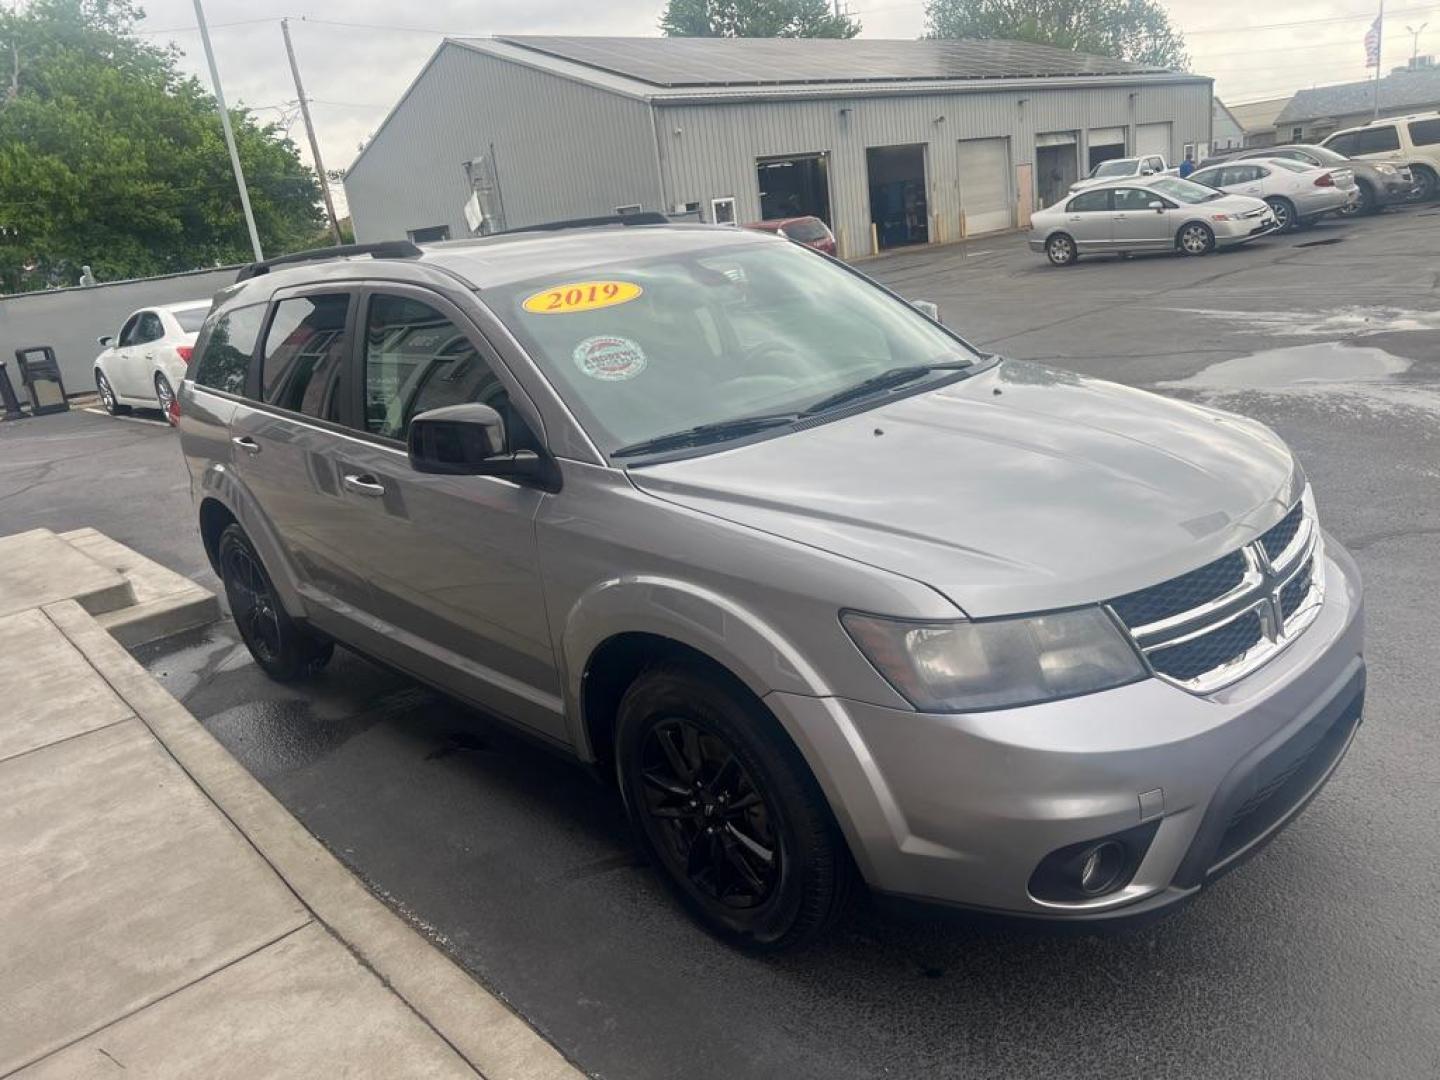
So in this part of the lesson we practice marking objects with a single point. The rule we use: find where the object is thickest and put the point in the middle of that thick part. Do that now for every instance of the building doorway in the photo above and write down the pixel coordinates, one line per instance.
(1104, 144)
(797, 186)
(899, 209)
(1057, 165)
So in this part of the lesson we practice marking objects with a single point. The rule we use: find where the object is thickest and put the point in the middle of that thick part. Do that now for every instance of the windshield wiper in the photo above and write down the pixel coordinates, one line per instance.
(886, 380)
(706, 433)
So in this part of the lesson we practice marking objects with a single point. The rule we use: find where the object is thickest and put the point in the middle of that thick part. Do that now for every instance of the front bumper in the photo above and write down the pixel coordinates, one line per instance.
(960, 809)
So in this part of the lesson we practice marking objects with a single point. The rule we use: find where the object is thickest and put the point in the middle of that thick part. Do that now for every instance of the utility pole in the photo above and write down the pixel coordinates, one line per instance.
(229, 135)
(310, 131)
(1379, 56)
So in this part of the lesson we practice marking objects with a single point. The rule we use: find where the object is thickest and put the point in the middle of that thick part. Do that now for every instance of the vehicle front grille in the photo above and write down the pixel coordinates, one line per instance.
(1213, 625)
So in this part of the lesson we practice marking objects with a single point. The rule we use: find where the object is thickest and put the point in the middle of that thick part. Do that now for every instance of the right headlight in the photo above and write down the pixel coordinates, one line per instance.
(962, 666)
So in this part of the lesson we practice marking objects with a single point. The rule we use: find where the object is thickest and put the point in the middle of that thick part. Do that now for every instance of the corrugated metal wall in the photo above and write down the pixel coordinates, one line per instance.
(561, 149)
(708, 151)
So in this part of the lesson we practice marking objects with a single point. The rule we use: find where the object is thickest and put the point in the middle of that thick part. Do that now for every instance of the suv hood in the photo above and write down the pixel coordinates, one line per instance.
(1019, 489)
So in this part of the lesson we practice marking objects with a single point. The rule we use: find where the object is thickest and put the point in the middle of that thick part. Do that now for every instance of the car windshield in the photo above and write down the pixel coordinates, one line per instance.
(1116, 167)
(807, 230)
(721, 333)
(1184, 191)
(191, 319)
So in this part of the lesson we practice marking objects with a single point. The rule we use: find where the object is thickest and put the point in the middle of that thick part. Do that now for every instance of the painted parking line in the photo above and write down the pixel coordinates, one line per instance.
(129, 419)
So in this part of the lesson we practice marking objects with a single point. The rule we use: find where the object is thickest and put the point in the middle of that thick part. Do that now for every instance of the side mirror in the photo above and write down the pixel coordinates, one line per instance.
(1156, 205)
(106, 341)
(470, 440)
(928, 308)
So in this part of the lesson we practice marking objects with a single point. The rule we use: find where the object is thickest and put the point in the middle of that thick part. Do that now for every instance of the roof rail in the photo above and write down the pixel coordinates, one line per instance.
(645, 217)
(384, 249)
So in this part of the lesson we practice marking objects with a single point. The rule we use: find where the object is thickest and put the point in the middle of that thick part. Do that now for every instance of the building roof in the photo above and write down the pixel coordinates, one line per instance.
(1217, 107)
(1258, 115)
(1401, 90)
(716, 62)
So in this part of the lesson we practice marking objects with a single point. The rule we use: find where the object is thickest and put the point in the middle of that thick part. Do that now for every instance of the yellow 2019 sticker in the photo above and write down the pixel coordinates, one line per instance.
(581, 296)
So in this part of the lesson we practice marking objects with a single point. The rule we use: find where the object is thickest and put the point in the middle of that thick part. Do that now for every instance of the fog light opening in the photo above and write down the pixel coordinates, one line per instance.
(1101, 867)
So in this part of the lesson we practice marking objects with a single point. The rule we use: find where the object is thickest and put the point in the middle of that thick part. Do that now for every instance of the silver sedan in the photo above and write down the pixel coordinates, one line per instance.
(1299, 194)
(1160, 213)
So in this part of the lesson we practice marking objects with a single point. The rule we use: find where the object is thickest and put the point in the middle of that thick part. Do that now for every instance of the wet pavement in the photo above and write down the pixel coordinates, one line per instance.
(1320, 958)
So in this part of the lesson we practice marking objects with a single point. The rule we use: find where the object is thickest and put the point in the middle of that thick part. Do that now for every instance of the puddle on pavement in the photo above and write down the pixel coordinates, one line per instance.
(1352, 321)
(1353, 377)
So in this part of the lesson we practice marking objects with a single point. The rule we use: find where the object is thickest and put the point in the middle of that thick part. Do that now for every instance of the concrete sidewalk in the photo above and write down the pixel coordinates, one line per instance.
(163, 916)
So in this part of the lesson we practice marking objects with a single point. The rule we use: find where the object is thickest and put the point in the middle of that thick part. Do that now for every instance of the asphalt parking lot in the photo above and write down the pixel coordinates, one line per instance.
(1320, 958)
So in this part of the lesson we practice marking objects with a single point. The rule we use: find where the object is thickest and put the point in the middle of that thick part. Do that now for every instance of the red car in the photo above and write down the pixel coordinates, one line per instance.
(810, 231)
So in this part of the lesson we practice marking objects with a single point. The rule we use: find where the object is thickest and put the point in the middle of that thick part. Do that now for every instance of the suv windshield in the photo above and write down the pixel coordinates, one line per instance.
(1184, 191)
(1115, 167)
(717, 334)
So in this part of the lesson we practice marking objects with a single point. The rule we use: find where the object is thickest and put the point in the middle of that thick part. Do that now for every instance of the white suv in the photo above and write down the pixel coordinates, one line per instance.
(1413, 139)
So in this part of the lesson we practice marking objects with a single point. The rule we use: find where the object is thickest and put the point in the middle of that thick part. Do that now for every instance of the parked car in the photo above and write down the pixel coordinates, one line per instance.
(1298, 194)
(831, 594)
(1378, 183)
(1154, 213)
(810, 231)
(1412, 140)
(1120, 169)
(141, 365)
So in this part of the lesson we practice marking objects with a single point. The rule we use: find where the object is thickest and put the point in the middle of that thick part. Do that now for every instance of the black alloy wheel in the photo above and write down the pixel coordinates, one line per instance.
(284, 649)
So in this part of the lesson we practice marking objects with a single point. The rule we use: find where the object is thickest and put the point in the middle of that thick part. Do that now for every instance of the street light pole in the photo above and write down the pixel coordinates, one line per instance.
(229, 135)
(1415, 42)
(310, 131)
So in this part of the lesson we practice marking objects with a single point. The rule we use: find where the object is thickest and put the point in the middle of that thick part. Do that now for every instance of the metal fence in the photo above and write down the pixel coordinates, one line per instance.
(70, 320)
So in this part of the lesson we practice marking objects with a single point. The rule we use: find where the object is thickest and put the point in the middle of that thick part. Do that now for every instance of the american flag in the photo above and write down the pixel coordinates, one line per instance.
(1372, 44)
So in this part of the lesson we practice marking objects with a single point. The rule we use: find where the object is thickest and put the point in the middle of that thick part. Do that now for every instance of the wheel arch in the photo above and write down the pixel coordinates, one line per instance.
(223, 499)
(1193, 221)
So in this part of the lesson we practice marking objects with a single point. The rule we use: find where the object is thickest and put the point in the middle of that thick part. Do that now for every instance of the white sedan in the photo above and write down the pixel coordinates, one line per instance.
(1299, 194)
(142, 365)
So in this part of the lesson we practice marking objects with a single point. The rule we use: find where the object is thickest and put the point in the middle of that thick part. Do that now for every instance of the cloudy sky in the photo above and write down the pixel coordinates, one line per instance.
(356, 57)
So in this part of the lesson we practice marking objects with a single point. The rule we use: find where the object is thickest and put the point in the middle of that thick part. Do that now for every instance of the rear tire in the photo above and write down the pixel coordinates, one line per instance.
(107, 396)
(285, 650)
(1427, 185)
(1195, 239)
(1365, 204)
(165, 398)
(1060, 250)
(1285, 216)
(726, 807)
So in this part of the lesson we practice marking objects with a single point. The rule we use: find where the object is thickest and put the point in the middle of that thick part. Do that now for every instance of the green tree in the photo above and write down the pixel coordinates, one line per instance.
(109, 156)
(1135, 30)
(756, 18)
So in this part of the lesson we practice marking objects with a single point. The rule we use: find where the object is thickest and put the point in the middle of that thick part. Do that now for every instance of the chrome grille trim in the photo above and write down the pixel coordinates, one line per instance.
(1259, 592)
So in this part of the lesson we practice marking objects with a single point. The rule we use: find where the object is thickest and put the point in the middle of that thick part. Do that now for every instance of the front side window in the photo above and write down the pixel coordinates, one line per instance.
(1210, 177)
(1346, 142)
(1425, 132)
(304, 360)
(415, 360)
(1380, 140)
(1089, 201)
(225, 362)
(717, 333)
(127, 332)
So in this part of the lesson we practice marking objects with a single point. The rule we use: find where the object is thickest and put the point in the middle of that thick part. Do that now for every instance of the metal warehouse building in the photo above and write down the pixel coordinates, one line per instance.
(890, 142)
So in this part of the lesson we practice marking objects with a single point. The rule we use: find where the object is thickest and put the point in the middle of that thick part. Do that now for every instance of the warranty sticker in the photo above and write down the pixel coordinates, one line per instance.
(609, 358)
(581, 296)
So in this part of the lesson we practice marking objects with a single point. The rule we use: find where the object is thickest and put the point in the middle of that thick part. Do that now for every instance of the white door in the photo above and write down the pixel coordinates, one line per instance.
(1153, 139)
(985, 203)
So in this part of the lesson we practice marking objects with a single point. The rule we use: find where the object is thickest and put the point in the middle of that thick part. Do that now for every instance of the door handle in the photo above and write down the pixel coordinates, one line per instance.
(246, 443)
(364, 484)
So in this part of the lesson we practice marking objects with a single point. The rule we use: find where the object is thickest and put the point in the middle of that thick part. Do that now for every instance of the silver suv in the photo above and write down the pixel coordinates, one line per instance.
(834, 596)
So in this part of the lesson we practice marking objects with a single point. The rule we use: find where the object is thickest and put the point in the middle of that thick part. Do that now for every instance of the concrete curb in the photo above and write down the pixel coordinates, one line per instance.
(481, 1028)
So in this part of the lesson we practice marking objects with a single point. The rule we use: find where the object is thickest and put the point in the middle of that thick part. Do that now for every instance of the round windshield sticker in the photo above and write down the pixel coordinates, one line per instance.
(609, 358)
(581, 296)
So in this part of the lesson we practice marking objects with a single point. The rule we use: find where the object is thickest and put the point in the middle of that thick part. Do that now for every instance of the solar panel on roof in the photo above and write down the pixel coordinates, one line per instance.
(681, 62)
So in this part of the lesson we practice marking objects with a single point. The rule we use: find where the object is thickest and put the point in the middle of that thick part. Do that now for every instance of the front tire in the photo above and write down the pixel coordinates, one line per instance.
(1195, 239)
(107, 396)
(725, 805)
(1060, 250)
(284, 649)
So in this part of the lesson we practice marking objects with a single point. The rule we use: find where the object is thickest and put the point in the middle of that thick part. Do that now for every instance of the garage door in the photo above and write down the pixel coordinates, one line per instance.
(1154, 139)
(985, 204)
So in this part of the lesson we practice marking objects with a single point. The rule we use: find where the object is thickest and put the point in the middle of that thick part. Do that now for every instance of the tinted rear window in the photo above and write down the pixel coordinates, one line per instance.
(225, 363)
(191, 319)
(807, 230)
(1425, 132)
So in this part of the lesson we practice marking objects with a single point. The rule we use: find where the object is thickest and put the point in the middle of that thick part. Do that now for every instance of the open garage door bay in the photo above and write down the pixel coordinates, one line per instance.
(985, 203)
